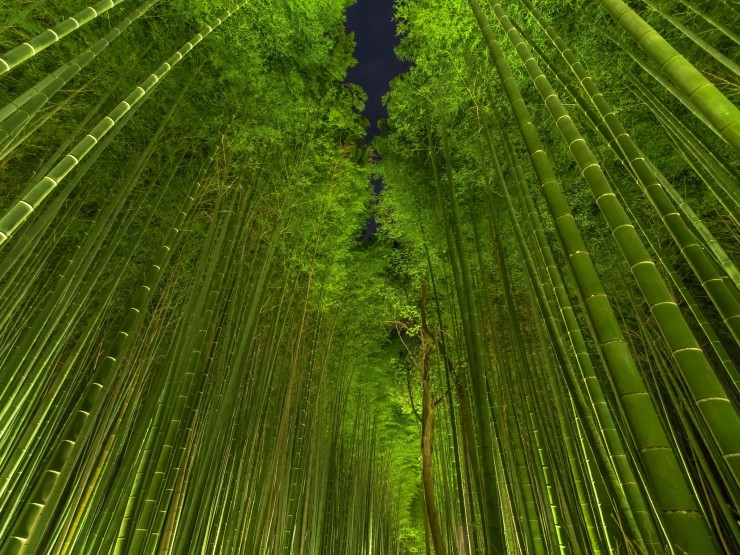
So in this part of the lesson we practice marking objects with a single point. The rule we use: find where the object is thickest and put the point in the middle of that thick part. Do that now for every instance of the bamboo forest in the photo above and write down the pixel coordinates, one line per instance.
(233, 321)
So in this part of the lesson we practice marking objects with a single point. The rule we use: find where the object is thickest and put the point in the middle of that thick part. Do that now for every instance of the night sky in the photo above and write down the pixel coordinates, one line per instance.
(375, 36)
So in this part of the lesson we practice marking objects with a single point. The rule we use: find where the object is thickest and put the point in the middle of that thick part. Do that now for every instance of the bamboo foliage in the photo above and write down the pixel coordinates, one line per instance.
(531, 349)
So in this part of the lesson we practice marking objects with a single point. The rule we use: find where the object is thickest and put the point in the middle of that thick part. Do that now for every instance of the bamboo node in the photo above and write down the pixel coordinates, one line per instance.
(685, 348)
(589, 166)
(620, 227)
(722, 399)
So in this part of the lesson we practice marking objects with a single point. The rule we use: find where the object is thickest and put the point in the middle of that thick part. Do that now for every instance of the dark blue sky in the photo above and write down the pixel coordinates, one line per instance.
(375, 34)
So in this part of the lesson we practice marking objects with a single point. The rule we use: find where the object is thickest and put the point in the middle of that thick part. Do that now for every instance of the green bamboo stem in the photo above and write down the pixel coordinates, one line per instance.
(27, 50)
(471, 327)
(78, 424)
(696, 39)
(708, 275)
(617, 464)
(15, 115)
(510, 308)
(710, 169)
(655, 451)
(722, 115)
(30, 202)
(712, 21)
(707, 391)
(699, 316)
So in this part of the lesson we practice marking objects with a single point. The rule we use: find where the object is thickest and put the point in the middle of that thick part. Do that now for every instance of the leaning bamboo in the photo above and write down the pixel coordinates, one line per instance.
(79, 422)
(15, 115)
(696, 39)
(722, 114)
(722, 28)
(707, 391)
(657, 456)
(36, 194)
(29, 49)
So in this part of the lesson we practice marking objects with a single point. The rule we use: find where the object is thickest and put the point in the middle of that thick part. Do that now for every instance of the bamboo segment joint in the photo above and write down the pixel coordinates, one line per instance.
(650, 262)
(634, 394)
(694, 349)
(620, 227)
(591, 165)
(665, 303)
(574, 141)
(609, 194)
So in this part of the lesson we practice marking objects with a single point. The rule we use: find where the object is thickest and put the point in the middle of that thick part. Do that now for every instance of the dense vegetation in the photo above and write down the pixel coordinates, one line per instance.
(536, 353)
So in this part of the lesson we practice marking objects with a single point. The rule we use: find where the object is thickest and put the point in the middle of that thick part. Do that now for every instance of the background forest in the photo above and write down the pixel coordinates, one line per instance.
(535, 353)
